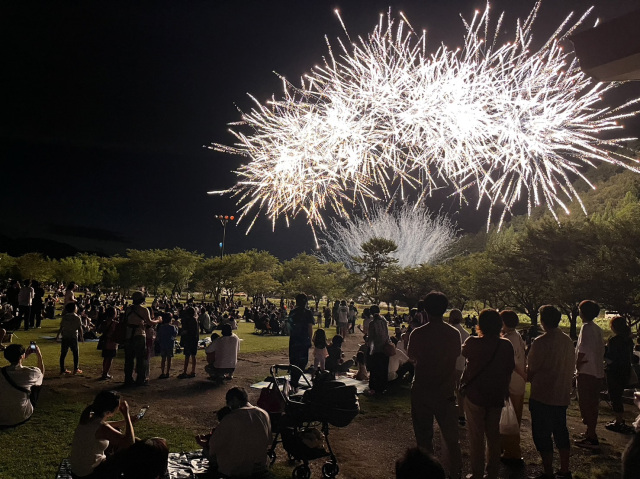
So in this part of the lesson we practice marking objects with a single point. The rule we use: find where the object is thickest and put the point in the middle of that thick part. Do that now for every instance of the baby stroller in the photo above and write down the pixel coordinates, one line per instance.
(302, 423)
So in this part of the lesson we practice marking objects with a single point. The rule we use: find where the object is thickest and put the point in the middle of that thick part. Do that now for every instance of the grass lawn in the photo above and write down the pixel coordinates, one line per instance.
(36, 448)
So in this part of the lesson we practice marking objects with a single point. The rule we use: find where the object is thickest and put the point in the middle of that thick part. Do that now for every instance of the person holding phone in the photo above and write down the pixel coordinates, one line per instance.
(19, 385)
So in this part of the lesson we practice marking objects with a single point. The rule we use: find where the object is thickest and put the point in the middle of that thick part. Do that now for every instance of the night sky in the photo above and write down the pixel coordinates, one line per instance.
(106, 107)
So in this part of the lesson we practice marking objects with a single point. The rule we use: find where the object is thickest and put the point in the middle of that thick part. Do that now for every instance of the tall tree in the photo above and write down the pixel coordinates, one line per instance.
(375, 258)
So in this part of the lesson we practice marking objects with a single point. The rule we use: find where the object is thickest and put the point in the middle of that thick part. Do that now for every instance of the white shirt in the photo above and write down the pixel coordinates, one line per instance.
(517, 384)
(591, 344)
(15, 406)
(87, 452)
(226, 349)
(464, 334)
(395, 362)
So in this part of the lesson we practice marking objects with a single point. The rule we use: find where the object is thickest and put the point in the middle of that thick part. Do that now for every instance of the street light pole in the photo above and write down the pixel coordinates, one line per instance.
(224, 219)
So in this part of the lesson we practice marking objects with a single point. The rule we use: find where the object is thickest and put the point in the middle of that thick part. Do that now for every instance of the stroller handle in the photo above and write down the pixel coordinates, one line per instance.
(289, 368)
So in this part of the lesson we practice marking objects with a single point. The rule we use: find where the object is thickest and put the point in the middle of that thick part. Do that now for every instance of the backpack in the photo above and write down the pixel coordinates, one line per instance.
(120, 335)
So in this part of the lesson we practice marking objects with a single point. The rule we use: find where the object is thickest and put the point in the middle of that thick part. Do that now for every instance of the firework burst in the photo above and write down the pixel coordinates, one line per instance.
(383, 115)
(421, 236)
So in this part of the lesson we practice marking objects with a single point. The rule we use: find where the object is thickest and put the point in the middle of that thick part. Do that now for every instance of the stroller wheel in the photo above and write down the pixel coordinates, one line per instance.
(301, 472)
(330, 470)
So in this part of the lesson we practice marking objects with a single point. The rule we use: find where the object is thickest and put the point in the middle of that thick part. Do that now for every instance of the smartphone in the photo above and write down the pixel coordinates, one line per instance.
(32, 346)
(142, 412)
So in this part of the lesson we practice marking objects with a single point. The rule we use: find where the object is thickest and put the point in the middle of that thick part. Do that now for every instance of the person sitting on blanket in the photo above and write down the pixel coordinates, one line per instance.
(238, 446)
(335, 362)
(94, 434)
(19, 385)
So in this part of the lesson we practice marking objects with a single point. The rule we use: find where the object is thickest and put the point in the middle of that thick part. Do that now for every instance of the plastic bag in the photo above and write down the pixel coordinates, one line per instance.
(509, 425)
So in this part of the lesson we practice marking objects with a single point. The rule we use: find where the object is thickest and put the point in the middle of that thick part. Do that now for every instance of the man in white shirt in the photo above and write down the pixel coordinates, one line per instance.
(19, 385)
(590, 371)
(225, 350)
(240, 443)
(25, 300)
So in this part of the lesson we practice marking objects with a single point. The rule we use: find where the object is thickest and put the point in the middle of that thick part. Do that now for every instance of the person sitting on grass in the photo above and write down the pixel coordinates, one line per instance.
(71, 332)
(94, 434)
(335, 360)
(240, 442)
(19, 385)
(167, 333)
(189, 341)
(362, 374)
(224, 351)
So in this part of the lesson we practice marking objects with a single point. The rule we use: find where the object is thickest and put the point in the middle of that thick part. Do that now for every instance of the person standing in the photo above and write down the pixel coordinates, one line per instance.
(434, 348)
(550, 371)
(455, 320)
(189, 339)
(69, 293)
(353, 314)
(37, 306)
(301, 330)
(137, 317)
(618, 369)
(378, 361)
(590, 371)
(25, 300)
(343, 319)
(512, 454)
(486, 385)
(71, 332)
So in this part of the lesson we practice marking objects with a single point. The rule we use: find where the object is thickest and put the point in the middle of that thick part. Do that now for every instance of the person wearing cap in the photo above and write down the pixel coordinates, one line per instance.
(137, 317)
(19, 385)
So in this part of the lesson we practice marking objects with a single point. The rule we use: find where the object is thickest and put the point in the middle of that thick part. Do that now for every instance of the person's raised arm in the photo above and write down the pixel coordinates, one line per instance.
(109, 432)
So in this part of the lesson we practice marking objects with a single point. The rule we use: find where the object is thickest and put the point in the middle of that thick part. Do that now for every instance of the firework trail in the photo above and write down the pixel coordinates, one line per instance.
(383, 115)
(421, 236)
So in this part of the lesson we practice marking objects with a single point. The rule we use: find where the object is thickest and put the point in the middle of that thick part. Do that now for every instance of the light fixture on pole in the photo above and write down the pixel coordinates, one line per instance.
(224, 219)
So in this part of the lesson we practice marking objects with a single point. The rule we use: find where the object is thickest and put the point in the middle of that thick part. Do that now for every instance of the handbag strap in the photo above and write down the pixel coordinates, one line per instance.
(10, 381)
(483, 367)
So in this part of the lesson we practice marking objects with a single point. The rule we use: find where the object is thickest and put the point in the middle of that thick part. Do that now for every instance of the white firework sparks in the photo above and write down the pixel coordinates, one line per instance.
(384, 114)
(421, 237)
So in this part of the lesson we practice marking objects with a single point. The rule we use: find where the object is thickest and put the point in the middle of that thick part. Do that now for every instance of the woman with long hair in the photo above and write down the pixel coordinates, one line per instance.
(95, 434)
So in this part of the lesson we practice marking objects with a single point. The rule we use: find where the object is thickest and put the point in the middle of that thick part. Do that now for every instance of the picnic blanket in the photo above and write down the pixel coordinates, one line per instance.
(182, 465)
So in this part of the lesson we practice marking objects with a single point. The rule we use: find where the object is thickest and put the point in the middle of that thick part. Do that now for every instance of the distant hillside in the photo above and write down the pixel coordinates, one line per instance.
(50, 248)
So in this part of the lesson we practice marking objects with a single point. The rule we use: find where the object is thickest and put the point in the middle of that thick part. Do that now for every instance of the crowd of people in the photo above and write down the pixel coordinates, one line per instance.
(457, 378)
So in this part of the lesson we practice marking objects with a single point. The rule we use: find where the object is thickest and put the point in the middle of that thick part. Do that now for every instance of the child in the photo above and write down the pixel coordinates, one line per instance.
(334, 361)
(71, 331)
(362, 374)
(319, 349)
(189, 341)
(167, 333)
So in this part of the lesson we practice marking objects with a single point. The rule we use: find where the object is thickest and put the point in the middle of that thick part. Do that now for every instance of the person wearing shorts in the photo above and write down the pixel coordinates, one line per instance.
(550, 371)
(189, 341)
(167, 333)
